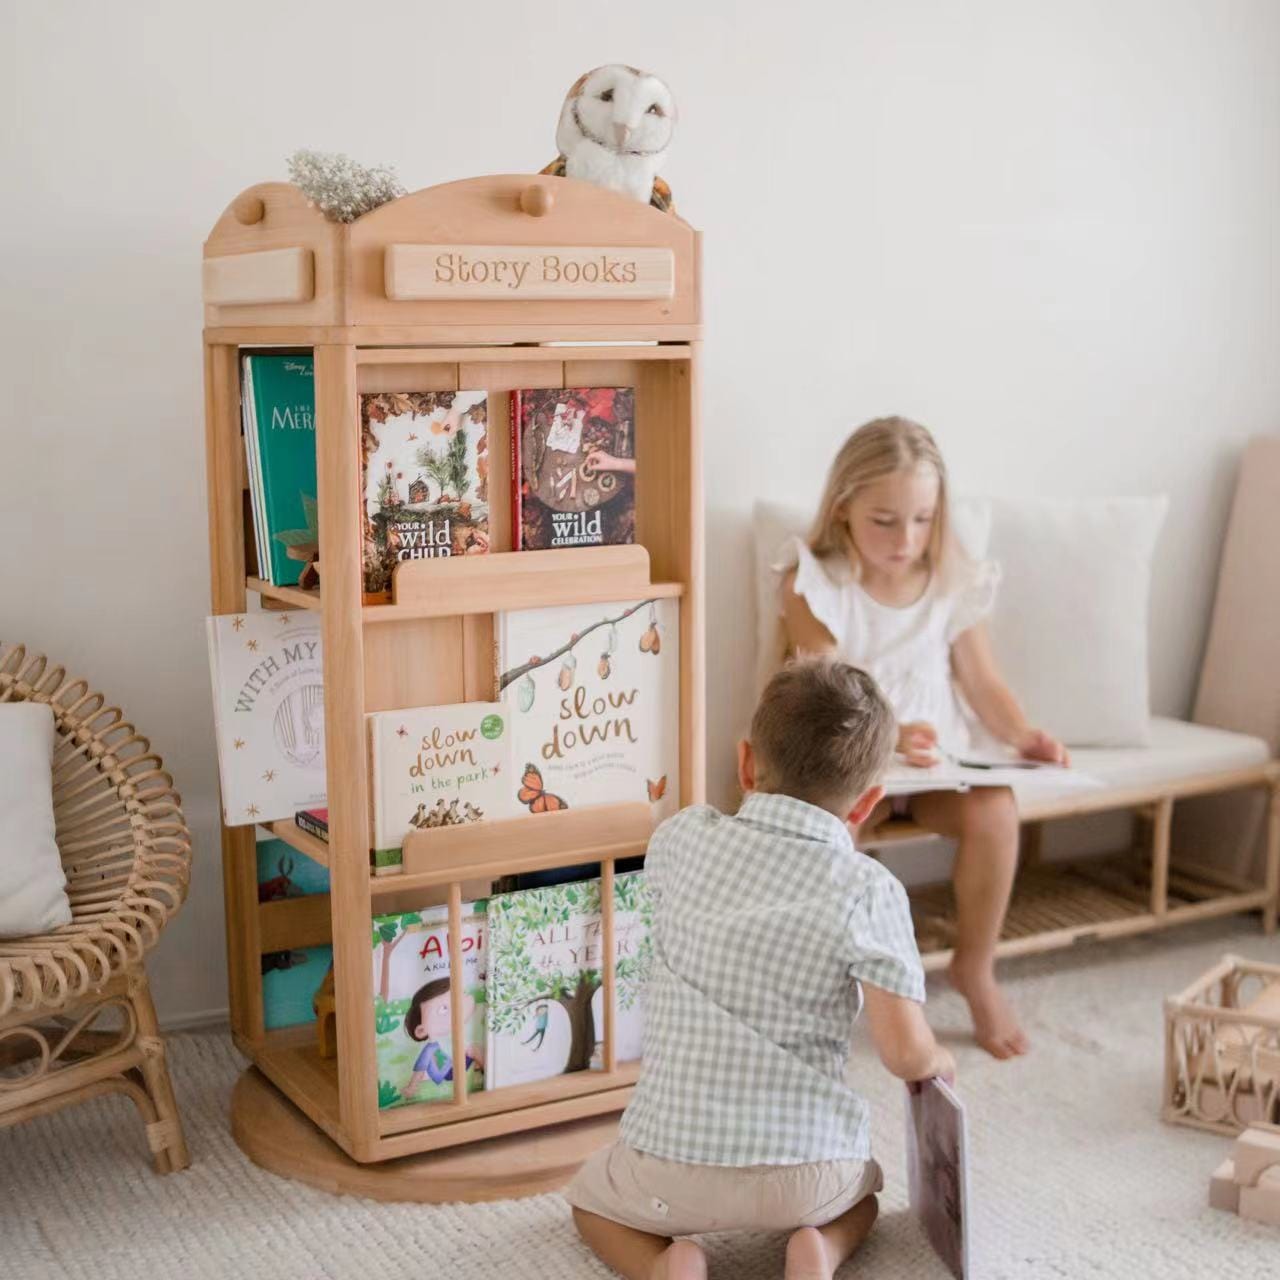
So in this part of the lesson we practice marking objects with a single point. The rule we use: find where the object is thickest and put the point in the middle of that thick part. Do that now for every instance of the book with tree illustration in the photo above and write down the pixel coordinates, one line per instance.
(573, 467)
(278, 407)
(290, 978)
(545, 996)
(435, 767)
(425, 464)
(412, 1004)
(593, 699)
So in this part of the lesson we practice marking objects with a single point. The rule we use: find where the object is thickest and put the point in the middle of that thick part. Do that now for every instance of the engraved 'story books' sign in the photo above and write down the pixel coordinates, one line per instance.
(426, 272)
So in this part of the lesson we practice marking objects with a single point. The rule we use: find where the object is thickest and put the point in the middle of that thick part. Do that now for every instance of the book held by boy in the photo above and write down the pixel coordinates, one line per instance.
(593, 698)
(436, 767)
(573, 467)
(412, 1015)
(425, 476)
(938, 1171)
(545, 998)
(278, 409)
(268, 713)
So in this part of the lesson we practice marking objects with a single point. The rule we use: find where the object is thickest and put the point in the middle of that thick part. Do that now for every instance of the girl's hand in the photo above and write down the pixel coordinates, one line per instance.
(917, 742)
(1035, 744)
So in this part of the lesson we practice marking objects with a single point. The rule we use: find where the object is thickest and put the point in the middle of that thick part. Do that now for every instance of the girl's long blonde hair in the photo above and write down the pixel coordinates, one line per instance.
(877, 449)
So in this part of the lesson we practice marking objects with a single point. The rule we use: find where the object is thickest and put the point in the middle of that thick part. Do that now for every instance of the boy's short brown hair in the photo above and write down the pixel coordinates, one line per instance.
(822, 732)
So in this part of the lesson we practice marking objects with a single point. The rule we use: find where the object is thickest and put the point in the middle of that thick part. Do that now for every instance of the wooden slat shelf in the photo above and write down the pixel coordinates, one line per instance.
(458, 585)
(294, 596)
(506, 580)
(303, 841)
(511, 354)
(1057, 904)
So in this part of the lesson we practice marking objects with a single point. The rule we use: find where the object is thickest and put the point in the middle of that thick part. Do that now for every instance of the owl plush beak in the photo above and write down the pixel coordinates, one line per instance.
(622, 132)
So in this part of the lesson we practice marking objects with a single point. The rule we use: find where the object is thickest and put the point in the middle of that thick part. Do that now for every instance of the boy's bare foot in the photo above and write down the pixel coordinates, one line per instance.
(807, 1256)
(681, 1260)
(814, 1253)
(995, 1025)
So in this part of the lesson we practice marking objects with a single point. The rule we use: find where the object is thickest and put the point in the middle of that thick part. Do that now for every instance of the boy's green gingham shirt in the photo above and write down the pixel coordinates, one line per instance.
(764, 923)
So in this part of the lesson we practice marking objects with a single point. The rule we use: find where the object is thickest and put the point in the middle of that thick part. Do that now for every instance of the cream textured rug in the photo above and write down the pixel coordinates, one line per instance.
(1073, 1175)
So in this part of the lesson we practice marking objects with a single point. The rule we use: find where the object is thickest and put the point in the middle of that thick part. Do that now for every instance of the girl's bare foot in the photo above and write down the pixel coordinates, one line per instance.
(995, 1025)
(682, 1260)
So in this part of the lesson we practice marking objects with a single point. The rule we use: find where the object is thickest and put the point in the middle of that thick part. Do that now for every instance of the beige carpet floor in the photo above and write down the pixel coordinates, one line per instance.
(1073, 1174)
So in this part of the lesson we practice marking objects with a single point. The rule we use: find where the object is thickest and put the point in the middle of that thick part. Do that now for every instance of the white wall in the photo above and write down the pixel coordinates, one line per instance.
(1050, 231)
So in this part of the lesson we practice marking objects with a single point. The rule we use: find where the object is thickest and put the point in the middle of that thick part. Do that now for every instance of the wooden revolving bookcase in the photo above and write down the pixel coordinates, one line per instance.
(609, 296)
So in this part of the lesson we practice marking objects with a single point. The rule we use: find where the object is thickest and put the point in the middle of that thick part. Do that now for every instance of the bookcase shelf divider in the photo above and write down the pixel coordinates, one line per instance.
(286, 280)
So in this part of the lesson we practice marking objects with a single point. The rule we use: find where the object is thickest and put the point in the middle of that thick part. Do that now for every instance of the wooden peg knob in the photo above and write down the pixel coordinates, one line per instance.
(249, 209)
(536, 200)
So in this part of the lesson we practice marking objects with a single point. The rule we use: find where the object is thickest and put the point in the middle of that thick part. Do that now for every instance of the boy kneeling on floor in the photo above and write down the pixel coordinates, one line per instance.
(770, 933)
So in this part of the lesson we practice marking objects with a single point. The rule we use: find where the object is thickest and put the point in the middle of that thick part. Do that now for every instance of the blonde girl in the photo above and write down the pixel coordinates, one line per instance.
(882, 582)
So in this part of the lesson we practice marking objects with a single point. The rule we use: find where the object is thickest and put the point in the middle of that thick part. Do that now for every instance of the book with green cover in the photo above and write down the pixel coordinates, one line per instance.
(280, 440)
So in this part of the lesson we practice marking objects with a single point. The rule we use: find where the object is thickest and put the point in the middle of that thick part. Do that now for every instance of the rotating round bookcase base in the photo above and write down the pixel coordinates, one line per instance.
(275, 1135)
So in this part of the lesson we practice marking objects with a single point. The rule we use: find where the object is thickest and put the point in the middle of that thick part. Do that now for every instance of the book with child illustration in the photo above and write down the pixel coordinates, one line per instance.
(290, 978)
(938, 1171)
(412, 1004)
(278, 409)
(268, 713)
(593, 698)
(573, 467)
(425, 478)
(436, 767)
(545, 999)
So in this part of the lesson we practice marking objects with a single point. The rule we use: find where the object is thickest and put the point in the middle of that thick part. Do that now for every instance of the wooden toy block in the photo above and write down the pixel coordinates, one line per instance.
(1257, 1149)
(1262, 1203)
(1224, 1191)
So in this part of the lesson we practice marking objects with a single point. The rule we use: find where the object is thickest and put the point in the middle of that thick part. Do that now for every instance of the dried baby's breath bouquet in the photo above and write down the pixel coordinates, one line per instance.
(341, 189)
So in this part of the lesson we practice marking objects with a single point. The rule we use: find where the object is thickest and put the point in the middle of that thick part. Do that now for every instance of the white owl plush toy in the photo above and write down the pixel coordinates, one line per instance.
(615, 128)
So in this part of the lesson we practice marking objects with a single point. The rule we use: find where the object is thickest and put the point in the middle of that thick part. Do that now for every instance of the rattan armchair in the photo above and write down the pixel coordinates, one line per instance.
(76, 1016)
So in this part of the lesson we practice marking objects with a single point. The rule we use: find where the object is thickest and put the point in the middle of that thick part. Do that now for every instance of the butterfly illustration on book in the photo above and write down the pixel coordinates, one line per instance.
(535, 796)
(657, 789)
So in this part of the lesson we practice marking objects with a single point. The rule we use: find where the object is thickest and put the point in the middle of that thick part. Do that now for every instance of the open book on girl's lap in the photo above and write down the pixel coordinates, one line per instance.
(982, 769)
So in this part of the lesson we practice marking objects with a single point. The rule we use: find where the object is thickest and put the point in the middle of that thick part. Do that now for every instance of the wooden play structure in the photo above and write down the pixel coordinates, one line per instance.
(1222, 1048)
(424, 294)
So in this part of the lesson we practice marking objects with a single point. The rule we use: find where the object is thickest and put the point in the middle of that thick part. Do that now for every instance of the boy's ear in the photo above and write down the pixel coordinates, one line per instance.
(746, 766)
(863, 805)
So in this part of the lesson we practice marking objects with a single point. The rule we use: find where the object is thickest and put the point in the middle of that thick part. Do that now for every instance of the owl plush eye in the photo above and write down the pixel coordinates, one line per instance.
(655, 110)
(607, 96)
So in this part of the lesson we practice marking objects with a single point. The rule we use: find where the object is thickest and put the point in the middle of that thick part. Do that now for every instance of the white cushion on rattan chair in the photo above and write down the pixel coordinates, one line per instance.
(33, 896)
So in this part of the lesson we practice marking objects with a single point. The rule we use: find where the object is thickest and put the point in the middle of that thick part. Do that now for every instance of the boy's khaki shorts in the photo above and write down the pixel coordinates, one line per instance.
(669, 1198)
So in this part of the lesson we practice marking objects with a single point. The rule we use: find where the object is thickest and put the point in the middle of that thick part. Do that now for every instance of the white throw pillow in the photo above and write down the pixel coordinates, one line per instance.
(776, 522)
(33, 896)
(1069, 629)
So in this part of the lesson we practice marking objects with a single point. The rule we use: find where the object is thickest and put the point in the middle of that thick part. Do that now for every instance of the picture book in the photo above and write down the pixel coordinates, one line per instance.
(290, 978)
(938, 1172)
(411, 1004)
(593, 700)
(573, 467)
(268, 713)
(1027, 778)
(278, 408)
(435, 767)
(425, 461)
(546, 1002)
(314, 822)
